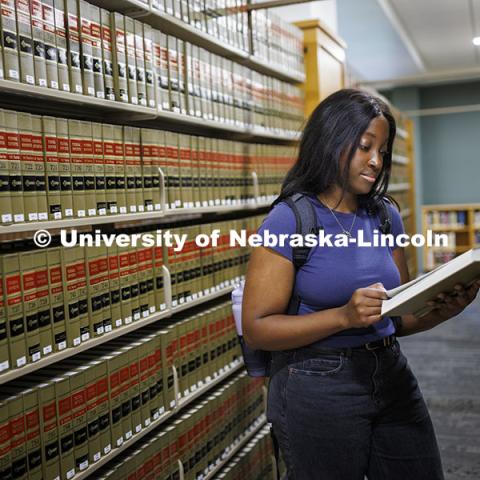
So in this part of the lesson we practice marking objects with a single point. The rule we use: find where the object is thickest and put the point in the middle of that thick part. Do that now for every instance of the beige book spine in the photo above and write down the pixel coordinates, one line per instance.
(99, 169)
(70, 260)
(107, 59)
(114, 389)
(185, 168)
(10, 39)
(102, 405)
(73, 42)
(160, 163)
(151, 197)
(140, 63)
(52, 172)
(5, 436)
(18, 452)
(124, 282)
(49, 430)
(130, 57)
(182, 66)
(88, 164)
(38, 157)
(160, 55)
(149, 66)
(197, 196)
(119, 57)
(61, 43)
(86, 47)
(120, 173)
(173, 71)
(134, 286)
(43, 299)
(134, 388)
(79, 419)
(12, 294)
(110, 169)
(66, 441)
(39, 54)
(158, 279)
(144, 387)
(30, 306)
(114, 286)
(6, 214)
(49, 37)
(77, 166)
(57, 307)
(25, 42)
(142, 283)
(133, 170)
(173, 170)
(65, 168)
(31, 414)
(97, 58)
(94, 449)
(4, 355)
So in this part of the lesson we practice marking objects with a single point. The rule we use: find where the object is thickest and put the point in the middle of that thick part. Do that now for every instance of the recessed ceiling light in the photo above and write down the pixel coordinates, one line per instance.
(476, 41)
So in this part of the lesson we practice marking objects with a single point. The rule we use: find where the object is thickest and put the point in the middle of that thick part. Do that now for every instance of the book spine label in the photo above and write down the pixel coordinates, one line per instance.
(6, 214)
(25, 42)
(39, 54)
(107, 59)
(140, 63)
(62, 48)
(96, 39)
(131, 64)
(64, 168)
(74, 54)
(11, 61)
(49, 37)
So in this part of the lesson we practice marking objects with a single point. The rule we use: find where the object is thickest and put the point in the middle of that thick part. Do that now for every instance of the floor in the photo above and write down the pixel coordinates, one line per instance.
(446, 361)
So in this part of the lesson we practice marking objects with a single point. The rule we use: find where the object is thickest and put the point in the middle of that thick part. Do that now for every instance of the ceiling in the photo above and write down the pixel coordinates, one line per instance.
(395, 42)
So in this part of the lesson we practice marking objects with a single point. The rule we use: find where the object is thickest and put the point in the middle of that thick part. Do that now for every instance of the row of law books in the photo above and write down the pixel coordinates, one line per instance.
(90, 51)
(446, 218)
(65, 417)
(57, 298)
(200, 439)
(57, 168)
(276, 41)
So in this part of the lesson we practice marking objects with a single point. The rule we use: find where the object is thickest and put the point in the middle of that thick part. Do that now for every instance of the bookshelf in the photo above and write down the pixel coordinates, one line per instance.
(460, 222)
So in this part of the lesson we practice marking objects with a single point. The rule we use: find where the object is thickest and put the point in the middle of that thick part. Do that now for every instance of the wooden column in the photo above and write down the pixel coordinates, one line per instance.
(324, 62)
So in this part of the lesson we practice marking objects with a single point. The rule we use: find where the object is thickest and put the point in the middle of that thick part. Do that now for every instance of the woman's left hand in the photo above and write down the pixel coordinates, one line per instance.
(450, 304)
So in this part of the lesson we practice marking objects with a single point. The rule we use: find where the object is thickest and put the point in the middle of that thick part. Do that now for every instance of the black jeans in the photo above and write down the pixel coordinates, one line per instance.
(343, 414)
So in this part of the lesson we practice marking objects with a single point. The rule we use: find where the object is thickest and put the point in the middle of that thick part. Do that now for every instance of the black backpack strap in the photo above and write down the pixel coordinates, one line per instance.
(385, 218)
(306, 223)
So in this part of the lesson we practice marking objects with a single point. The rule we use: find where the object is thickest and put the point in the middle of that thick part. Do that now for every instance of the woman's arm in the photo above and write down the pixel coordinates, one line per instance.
(445, 306)
(268, 288)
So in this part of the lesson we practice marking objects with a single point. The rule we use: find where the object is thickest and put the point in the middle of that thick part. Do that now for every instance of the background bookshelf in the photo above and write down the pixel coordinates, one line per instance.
(461, 222)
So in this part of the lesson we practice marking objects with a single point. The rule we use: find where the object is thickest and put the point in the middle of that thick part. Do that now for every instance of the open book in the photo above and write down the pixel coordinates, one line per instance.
(412, 297)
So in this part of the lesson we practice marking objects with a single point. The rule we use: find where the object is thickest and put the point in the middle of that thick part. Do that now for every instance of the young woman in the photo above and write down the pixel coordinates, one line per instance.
(342, 399)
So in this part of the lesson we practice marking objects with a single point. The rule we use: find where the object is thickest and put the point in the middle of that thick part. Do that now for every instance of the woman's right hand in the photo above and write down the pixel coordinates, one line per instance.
(364, 307)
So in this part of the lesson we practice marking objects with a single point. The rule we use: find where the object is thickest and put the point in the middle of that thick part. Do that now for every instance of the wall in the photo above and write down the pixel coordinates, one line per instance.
(447, 146)
(325, 10)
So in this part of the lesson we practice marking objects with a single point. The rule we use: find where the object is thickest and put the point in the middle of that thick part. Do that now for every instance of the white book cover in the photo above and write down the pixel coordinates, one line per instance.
(413, 296)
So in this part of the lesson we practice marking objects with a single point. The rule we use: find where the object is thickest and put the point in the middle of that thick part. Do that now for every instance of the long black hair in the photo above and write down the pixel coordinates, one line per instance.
(334, 129)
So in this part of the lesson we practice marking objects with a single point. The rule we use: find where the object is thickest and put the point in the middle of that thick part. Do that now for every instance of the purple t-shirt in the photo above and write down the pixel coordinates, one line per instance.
(332, 274)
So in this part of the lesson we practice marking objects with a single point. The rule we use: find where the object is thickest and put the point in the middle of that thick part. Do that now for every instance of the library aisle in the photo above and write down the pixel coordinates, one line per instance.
(447, 366)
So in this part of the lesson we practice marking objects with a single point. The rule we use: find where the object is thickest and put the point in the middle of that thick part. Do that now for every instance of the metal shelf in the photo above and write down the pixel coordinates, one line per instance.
(94, 342)
(48, 101)
(135, 438)
(114, 219)
(174, 26)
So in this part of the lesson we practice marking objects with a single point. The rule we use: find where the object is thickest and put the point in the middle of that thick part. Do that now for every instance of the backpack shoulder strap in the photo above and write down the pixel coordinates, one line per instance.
(385, 217)
(306, 222)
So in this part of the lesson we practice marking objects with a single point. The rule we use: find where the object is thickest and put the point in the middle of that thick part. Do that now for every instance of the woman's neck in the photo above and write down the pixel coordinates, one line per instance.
(333, 198)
